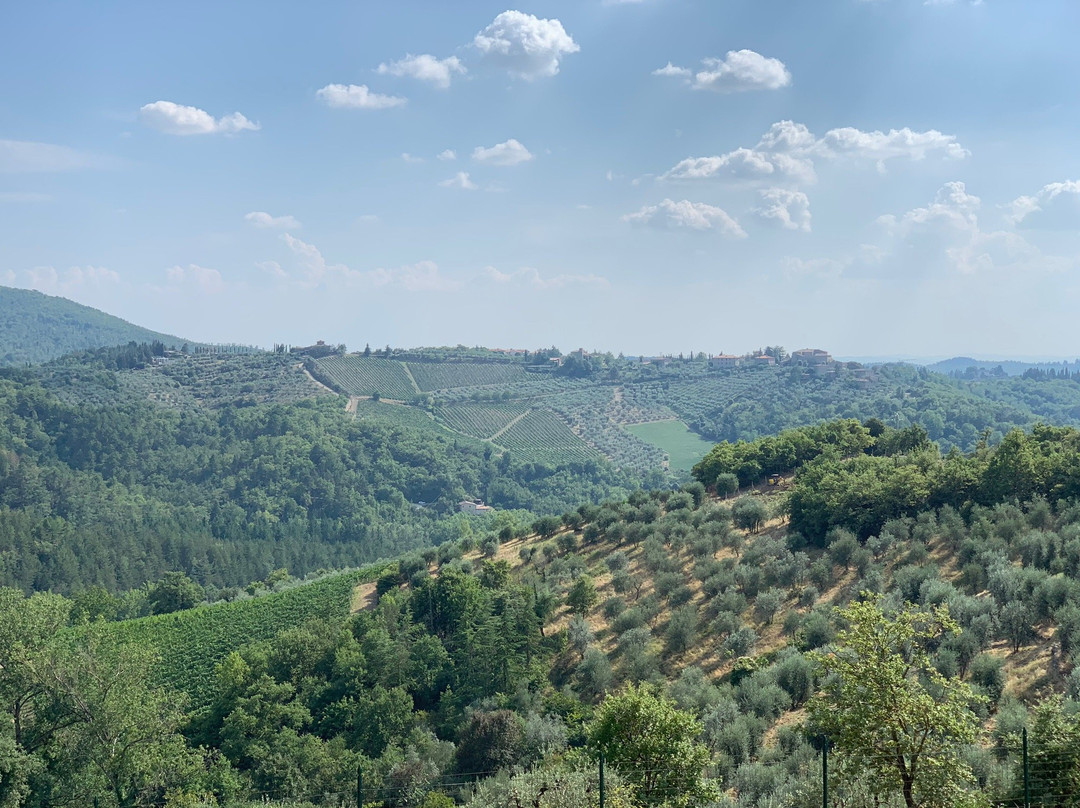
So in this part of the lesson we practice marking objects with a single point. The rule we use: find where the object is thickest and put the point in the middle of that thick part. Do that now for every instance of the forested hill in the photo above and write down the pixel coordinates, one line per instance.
(35, 327)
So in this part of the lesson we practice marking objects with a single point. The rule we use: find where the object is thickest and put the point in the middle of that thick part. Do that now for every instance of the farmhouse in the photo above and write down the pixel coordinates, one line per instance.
(469, 506)
(761, 359)
(811, 356)
(724, 361)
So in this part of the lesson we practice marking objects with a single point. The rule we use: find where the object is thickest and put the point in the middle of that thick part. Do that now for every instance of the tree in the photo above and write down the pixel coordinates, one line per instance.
(887, 710)
(726, 485)
(173, 593)
(582, 596)
(654, 745)
(749, 513)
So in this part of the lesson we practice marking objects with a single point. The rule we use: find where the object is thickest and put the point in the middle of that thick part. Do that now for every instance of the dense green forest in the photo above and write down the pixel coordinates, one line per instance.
(36, 328)
(690, 639)
(117, 494)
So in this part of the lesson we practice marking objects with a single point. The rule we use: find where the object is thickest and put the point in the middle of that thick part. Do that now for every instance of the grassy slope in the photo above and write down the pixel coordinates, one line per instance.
(35, 328)
(684, 448)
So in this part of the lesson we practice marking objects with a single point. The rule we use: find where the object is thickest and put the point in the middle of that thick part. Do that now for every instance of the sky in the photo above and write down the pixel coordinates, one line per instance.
(873, 177)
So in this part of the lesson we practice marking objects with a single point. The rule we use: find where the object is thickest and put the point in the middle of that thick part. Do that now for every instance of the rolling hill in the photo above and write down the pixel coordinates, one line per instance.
(36, 327)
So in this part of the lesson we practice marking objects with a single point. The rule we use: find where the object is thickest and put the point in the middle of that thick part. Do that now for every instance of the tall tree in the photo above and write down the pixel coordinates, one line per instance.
(887, 710)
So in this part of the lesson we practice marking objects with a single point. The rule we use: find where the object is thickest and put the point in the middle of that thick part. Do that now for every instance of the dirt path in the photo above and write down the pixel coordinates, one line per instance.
(313, 380)
(412, 379)
(512, 422)
(354, 402)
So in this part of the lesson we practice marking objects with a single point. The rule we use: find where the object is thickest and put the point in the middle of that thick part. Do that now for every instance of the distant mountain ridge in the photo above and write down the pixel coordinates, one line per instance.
(1009, 367)
(35, 327)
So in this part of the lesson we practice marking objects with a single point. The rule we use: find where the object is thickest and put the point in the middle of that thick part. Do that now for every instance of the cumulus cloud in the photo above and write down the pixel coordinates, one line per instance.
(1055, 207)
(507, 153)
(672, 71)
(460, 181)
(425, 67)
(68, 283)
(786, 153)
(787, 137)
(877, 145)
(686, 215)
(206, 280)
(264, 221)
(744, 164)
(530, 276)
(525, 45)
(423, 276)
(177, 119)
(738, 71)
(785, 208)
(946, 234)
(411, 158)
(447, 154)
(25, 156)
(356, 96)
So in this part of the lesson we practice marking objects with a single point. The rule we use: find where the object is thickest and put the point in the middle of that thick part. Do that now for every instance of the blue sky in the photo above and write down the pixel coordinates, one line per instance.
(873, 177)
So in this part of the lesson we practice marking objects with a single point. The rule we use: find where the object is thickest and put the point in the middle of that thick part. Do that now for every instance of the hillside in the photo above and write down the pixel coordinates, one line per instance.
(35, 328)
(501, 650)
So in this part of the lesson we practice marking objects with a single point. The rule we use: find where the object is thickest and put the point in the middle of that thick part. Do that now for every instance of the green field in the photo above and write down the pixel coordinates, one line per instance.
(684, 448)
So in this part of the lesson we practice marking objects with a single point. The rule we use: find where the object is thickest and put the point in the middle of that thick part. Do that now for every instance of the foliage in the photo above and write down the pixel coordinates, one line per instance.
(887, 710)
(654, 746)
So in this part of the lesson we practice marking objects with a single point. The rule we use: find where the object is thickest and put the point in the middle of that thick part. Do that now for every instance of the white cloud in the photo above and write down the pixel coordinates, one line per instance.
(423, 276)
(411, 158)
(176, 119)
(531, 276)
(739, 71)
(1055, 207)
(786, 208)
(24, 156)
(425, 67)
(207, 281)
(787, 137)
(525, 45)
(744, 164)
(672, 71)
(946, 235)
(461, 181)
(686, 215)
(447, 154)
(507, 153)
(264, 221)
(896, 143)
(68, 283)
(788, 150)
(356, 96)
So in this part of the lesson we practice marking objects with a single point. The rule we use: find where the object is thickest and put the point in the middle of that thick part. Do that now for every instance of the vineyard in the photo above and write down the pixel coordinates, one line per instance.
(191, 643)
(369, 376)
(432, 376)
(543, 437)
(480, 420)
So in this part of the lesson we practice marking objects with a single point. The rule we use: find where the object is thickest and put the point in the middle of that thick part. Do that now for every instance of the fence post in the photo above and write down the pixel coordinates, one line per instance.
(1027, 780)
(825, 774)
(602, 780)
(359, 787)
